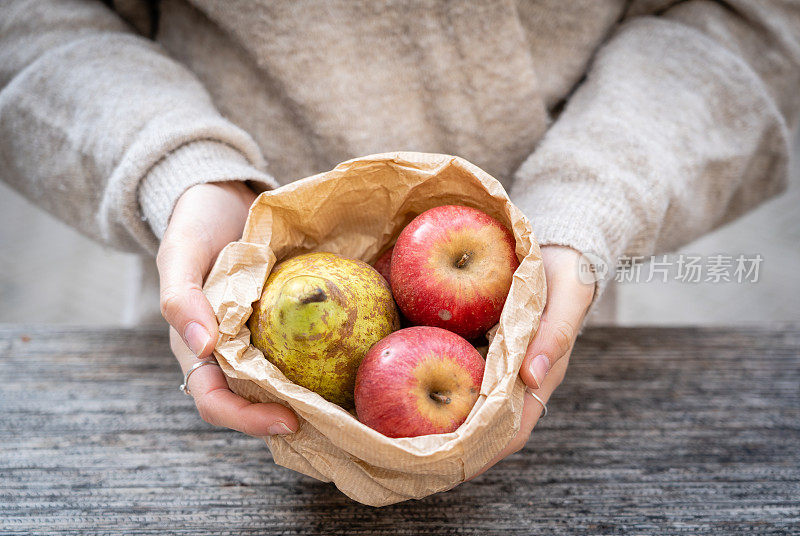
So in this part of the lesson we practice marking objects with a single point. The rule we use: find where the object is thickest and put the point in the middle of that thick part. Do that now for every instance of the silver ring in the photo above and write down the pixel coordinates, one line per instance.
(185, 385)
(538, 399)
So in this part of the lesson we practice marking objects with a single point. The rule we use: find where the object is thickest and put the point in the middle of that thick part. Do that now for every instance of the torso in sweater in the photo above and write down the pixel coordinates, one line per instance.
(316, 83)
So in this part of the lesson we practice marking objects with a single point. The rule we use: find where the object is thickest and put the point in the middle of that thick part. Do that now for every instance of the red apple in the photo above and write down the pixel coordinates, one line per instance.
(452, 268)
(418, 381)
(384, 263)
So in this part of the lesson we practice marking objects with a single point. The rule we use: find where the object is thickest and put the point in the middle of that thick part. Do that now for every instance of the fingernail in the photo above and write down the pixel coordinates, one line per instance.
(539, 368)
(279, 428)
(196, 337)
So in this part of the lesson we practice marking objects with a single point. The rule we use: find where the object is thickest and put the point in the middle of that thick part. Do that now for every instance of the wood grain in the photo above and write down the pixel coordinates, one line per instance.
(655, 431)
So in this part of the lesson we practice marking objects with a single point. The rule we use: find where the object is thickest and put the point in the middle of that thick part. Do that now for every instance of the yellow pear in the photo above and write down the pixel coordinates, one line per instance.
(318, 315)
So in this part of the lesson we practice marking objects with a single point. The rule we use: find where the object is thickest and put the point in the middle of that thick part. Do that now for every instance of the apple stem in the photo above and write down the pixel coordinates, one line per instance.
(440, 398)
(463, 260)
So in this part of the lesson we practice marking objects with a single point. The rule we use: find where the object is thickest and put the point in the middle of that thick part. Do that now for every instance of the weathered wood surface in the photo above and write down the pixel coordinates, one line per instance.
(655, 431)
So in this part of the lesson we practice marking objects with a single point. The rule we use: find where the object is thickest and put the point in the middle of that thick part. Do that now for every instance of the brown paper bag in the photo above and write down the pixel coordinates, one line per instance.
(357, 210)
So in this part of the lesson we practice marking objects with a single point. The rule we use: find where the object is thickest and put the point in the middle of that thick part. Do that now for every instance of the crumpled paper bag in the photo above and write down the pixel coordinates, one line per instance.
(357, 210)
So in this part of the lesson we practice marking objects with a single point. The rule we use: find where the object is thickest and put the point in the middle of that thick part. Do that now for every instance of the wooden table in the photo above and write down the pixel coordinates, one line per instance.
(655, 431)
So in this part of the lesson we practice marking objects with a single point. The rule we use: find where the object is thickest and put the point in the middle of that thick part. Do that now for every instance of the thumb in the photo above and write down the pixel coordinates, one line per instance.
(182, 265)
(567, 302)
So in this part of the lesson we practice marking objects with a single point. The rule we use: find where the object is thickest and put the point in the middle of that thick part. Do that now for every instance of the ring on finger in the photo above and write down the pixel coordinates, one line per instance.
(185, 385)
(538, 399)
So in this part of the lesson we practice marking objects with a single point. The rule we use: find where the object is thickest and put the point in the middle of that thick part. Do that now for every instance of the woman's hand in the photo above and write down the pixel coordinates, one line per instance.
(546, 360)
(206, 218)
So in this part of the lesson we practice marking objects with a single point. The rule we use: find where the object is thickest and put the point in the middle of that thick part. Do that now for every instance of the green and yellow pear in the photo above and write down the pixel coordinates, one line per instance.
(318, 315)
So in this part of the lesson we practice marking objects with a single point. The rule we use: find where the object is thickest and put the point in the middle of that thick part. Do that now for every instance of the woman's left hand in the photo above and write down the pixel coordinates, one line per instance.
(547, 357)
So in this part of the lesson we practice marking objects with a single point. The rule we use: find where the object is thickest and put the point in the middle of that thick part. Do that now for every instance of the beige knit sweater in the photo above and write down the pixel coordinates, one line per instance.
(618, 127)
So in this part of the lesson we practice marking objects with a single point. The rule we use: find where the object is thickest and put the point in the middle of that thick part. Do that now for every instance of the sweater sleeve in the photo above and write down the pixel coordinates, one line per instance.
(101, 128)
(681, 124)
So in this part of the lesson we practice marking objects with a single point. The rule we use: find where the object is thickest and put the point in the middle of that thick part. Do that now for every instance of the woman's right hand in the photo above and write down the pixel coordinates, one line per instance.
(206, 218)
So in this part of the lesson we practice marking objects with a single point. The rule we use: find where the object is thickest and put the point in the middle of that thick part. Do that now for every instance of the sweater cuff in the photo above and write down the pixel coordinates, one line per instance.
(195, 163)
(578, 209)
